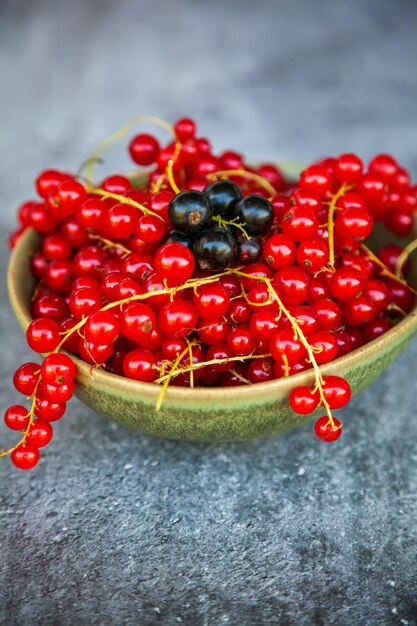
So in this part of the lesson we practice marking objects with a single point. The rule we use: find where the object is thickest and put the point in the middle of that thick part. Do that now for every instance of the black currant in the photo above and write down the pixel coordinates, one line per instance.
(177, 237)
(248, 250)
(223, 195)
(215, 249)
(190, 212)
(255, 213)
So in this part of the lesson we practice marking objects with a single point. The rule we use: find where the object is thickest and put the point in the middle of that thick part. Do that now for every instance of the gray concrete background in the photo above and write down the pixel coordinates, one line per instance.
(117, 528)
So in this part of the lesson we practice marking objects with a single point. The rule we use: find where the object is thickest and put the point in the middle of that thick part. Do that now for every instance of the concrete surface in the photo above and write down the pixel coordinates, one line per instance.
(117, 528)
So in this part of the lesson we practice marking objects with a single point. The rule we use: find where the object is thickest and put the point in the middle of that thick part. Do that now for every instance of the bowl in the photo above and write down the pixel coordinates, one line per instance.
(206, 414)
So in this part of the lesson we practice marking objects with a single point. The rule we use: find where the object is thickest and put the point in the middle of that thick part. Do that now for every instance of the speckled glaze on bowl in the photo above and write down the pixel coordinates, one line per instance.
(205, 414)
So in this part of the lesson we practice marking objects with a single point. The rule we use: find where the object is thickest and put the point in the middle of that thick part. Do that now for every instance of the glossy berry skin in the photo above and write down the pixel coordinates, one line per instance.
(177, 318)
(211, 301)
(175, 236)
(185, 129)
(261, 371)
(137, 321)
(292, 284)
(282, 343)
(58, 369)
(348, 168)
(214, 332)
(316, 178)
(325, 346)
(190, 212)
(57, 394)
(279, 251)
(248, 250)
(240, 341)
(255, 212)
(313, 254)
(49, 411)
(325, 431)
(102, 327)
(336, 391)
(303, 400)
(175, 263)
(354, 224)
(150, 228)
(346, 283)
(40, 434)
(140, 365)
(25, 457)
(300, 223)
(120, 221)
(360, 311)
(26, 377)
(329, 314)
(16, 417)
(84, 301)
(43, 335)
(215, 249)
(144, 149)
(223, 196)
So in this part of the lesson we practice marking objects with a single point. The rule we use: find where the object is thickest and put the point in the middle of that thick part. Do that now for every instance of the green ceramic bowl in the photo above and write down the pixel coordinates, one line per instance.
(205, 414)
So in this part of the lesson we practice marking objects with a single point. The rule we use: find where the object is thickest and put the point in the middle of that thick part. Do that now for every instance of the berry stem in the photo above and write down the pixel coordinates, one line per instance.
(330, 223)
(108, 244)
(385, 270)
(31, 415)
(262, 182)
(120, 134)
(409, 249)
(122, 199)
(223, 222)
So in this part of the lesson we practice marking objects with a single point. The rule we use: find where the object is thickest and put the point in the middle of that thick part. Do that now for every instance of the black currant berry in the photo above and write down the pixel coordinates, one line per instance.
(190, 212)
(248, 250)
(177, 237)
(223, 195)
(215, 249)
(255, 213)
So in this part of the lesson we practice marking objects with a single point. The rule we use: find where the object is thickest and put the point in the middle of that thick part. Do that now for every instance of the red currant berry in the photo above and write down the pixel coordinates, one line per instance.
(26, 377)
(175, 263)
(56, 394)
(25, 457)
(336, 391)
(43, 335)
(116, 184)
(16, 417)
(49, 411)
(261, 370)
(348, 168)
(240, 341)
(185, 129)
(137, 321)
(177, 318)
(40, 434)
(329, 314)
(58, 369)
(144, 149)
(300, 223)
(84, 301)
(324, 346)
(326, 431)
(354, 224)
(140, 365)
(284, 344)
(48, 181)
(292, 284)
(303, 400)
(279, 251)
(102, 327)
(211, 301)
(346, 283)
(359, 311)
(316, 178)
(313, 254)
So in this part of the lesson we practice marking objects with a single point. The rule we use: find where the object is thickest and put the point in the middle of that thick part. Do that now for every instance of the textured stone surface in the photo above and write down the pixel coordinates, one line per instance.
(117, 528)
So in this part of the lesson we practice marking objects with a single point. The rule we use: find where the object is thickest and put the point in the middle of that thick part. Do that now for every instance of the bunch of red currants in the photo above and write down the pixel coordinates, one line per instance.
(206, 271)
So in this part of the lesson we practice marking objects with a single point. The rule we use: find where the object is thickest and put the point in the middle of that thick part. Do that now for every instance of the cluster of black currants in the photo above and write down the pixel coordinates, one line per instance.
(205, 221)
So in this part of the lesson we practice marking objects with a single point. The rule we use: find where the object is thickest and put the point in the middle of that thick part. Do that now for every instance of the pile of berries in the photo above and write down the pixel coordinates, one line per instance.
(206, 271)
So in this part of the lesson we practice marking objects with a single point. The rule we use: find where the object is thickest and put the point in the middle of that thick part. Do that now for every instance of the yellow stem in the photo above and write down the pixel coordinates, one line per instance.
(404, 256)
(330, 222)
(31, 414)
(107, 243)
(120, 134)
(262, 182)
(223, 222)
(385, 269)
(122, 199)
